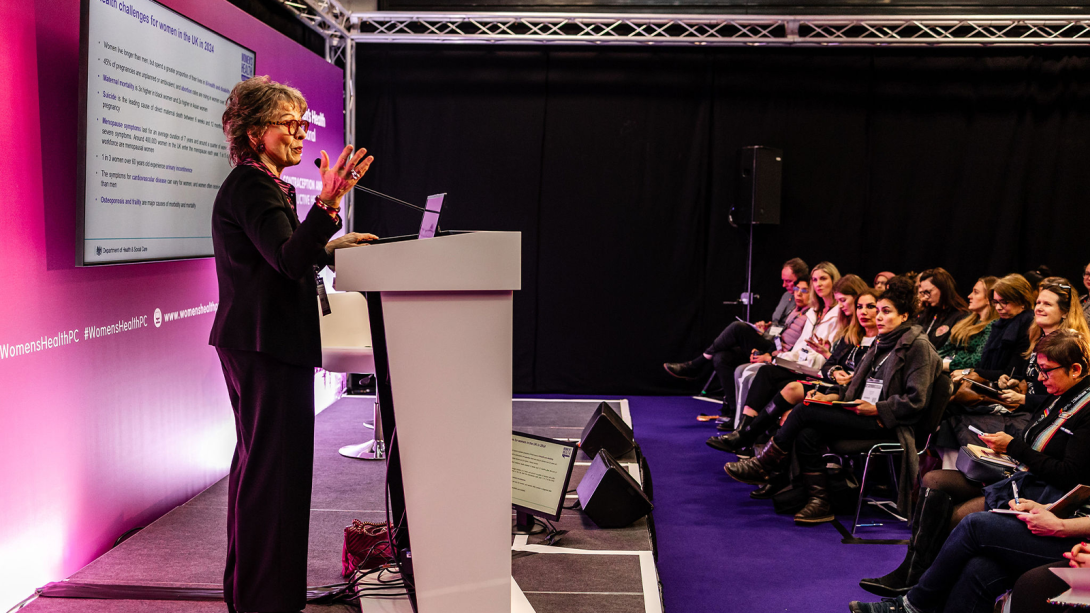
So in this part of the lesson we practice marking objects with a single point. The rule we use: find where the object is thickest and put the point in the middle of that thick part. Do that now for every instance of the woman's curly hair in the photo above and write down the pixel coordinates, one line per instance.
(252, 104)
(901, 293)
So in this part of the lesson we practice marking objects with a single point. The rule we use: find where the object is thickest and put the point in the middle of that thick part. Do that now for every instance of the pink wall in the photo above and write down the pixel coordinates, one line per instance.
(98, 435)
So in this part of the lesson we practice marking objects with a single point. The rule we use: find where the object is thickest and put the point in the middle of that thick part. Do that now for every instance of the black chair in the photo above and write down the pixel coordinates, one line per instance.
(941, 392)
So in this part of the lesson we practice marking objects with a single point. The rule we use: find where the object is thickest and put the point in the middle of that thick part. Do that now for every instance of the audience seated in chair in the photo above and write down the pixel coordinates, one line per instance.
(942, 306)
(986, 552)
(962, 350)
(881, 279)
(889, 391)
(739, 340)
(1056, 307)
(776, 389)
(1086, 298)
(1055, 447)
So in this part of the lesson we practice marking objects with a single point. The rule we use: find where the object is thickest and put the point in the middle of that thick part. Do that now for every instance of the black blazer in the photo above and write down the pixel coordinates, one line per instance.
(265, 266)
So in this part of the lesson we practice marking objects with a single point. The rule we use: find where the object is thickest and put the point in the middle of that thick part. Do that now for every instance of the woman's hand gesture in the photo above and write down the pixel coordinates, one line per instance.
(341, 177)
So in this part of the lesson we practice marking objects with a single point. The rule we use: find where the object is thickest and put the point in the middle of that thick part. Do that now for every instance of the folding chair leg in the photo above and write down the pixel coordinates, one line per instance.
(862, 491)
(708, 384)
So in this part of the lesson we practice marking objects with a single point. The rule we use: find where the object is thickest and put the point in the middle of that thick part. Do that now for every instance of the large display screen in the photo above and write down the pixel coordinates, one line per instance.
(154, 155)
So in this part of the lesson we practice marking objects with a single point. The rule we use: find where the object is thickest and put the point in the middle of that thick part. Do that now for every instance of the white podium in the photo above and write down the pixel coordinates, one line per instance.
(441, 320)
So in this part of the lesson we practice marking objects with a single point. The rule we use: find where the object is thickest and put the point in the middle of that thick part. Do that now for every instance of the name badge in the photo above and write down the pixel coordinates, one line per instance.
(867, 341)
(873, 391)
(779, 344)
(804, 354)
(775, 330)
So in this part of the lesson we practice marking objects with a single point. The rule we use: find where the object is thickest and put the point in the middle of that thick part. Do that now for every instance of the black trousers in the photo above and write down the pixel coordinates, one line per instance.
(768, 382)
(268, 500)
(731, 349)
(810, 428)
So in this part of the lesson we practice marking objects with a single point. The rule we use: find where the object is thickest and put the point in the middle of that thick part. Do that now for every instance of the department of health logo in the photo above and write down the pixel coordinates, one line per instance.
(98, 250)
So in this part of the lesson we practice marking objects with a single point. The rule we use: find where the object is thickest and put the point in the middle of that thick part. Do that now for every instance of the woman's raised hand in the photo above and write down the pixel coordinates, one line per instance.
(342, 176)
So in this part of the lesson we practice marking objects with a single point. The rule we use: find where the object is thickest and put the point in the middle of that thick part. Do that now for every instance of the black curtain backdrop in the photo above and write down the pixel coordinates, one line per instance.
(619, 168)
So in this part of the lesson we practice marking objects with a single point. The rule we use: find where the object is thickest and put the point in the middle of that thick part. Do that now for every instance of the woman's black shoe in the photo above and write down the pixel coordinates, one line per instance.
(891, 584)
(730, 442)
(764, 492)
(687, 370)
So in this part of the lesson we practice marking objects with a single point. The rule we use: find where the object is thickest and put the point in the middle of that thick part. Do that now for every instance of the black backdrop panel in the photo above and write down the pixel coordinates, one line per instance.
(619, 168)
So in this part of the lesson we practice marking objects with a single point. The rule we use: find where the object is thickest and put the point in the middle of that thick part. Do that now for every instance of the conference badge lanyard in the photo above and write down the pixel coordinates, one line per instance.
(1067, 412)
(872, 393)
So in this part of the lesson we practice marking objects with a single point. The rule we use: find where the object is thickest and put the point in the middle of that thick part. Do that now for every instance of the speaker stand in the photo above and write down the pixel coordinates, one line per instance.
(524, 522)
(374, 449)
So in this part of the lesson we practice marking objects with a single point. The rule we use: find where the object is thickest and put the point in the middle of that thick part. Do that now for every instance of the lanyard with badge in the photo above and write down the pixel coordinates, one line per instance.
(872, 393)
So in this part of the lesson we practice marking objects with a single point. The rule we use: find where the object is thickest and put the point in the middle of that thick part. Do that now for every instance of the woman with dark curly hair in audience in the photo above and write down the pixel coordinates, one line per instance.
(942, 305)
(889, 392)
(986, 552)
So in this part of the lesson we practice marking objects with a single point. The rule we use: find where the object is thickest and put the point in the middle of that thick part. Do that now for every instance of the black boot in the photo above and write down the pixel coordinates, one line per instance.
(688, 370)
(726, 426)
(746, 435)
(818, 509)
(758, 470)
(768, 490)
(930, 527)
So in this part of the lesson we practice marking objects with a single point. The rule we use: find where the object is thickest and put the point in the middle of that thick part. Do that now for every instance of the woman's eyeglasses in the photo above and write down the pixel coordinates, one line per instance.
(1044, 373)
(292, 125)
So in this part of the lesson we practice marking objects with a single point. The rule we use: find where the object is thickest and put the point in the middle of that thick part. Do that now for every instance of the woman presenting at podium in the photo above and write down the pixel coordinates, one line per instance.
(267, 336)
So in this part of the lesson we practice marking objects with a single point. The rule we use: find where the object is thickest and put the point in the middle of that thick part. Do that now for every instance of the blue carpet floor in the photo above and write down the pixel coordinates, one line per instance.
(720, 550)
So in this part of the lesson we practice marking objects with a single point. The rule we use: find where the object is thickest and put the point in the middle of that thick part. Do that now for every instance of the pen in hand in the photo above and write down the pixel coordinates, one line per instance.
(1014, 487)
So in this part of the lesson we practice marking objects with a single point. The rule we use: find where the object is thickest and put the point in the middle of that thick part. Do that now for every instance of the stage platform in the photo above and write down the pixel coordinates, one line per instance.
(586, 570)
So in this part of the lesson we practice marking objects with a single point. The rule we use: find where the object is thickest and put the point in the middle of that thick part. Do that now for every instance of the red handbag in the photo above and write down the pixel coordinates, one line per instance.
(366, 546)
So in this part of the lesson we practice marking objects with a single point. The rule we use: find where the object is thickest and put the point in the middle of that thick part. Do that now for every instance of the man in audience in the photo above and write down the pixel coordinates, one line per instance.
(734, 344)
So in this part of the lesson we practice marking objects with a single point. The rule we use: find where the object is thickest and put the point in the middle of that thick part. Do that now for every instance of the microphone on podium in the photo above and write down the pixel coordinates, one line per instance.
(318, 163)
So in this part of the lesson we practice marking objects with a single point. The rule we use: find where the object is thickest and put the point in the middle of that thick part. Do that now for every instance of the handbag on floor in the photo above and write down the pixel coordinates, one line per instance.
(366, 546)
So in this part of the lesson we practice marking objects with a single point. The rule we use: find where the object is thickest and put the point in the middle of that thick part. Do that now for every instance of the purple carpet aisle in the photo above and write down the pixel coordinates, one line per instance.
(719, 550)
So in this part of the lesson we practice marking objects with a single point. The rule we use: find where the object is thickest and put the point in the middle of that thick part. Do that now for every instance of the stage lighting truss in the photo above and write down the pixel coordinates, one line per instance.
(700, 30)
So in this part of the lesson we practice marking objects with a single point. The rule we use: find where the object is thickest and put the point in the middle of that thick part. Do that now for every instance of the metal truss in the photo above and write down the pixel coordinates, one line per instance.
(717, 30)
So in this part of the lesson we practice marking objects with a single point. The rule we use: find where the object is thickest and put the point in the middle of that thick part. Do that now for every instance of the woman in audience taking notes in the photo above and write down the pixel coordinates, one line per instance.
(888, 393)
(267, 337)
(1055, 307)
(986, 552)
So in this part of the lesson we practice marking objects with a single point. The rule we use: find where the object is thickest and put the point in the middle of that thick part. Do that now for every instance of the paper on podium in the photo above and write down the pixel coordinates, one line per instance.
(1079, 580)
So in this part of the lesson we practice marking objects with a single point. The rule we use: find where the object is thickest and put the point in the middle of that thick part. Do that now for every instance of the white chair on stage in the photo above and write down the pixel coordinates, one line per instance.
(346, 347)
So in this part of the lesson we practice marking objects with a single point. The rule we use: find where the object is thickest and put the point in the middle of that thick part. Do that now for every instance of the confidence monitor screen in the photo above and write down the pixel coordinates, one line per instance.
(153, 151)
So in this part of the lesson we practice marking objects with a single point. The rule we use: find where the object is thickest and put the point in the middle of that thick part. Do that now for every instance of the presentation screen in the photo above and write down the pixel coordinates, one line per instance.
(153, 151)
(540, 470)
